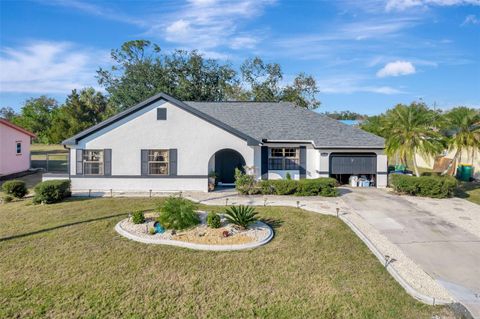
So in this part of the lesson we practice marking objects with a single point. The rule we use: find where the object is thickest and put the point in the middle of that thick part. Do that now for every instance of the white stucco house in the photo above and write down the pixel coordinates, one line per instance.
(164, 144)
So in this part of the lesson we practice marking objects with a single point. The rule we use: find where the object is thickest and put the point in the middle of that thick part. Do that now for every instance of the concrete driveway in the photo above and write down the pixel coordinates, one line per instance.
(441, 236)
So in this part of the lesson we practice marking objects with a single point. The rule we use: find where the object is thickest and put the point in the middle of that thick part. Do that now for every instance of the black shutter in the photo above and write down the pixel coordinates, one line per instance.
(79, 161)
(172, 157)
(144, 160)
(303, 162)
(264, 162)
(107, 162)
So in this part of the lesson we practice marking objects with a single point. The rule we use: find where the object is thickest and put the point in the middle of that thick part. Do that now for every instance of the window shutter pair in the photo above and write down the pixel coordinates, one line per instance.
(172, 159)
(107, 162)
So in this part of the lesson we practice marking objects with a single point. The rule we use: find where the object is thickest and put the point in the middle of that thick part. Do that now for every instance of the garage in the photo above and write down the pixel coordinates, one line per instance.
(361, 165)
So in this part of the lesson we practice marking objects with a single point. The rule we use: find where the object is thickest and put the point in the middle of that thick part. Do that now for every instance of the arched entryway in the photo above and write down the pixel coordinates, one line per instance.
(224, 162)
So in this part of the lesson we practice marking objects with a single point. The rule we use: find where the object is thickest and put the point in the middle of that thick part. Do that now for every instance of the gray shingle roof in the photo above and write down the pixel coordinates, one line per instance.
(259, 121)
(285, 122)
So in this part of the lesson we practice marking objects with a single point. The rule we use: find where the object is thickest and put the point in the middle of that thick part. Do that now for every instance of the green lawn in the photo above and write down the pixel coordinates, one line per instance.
(469, 191)
(67, 261)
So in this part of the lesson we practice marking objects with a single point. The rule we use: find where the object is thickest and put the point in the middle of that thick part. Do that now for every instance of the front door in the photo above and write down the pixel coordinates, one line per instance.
(225, 163)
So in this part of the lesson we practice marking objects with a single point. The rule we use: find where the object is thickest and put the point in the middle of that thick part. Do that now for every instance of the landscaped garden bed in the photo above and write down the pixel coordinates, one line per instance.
(177, 223)
(226, 237)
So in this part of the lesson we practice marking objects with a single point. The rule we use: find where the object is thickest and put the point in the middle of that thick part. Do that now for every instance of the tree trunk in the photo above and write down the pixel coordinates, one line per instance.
(454, 160)
(415, 165)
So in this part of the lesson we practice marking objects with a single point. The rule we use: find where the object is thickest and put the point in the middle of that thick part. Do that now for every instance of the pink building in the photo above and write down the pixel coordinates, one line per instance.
(14, 148)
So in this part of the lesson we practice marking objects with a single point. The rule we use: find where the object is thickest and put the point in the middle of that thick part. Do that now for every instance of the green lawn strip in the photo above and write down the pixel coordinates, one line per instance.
(470, 191)
(314, 267)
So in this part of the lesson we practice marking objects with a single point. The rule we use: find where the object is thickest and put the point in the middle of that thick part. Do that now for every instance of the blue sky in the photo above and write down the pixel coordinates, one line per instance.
(366, 55)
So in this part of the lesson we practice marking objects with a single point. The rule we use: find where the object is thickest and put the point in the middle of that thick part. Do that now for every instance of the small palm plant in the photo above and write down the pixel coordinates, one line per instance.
(241, 215)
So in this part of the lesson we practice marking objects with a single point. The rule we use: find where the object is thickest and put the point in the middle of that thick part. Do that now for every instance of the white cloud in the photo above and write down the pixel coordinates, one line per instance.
(353, 83)
(48, 67)
(470, 19)
(396, 68)
(401, 5)
(205, 24)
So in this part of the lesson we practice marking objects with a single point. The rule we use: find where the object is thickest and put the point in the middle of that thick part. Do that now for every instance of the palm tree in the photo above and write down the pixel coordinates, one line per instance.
(410, 132)
(462, 125)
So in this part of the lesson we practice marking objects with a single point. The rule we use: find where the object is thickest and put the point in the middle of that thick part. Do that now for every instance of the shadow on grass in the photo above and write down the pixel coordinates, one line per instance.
(274, 223)
(465, 187)
(60, 226)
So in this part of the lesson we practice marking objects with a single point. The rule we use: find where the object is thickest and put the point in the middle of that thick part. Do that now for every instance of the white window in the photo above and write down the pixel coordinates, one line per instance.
(19, 148)
(92, 162)
(284, 158)
(158, 162)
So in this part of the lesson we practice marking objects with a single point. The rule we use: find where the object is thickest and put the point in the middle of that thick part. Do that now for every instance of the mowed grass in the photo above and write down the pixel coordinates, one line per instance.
(470, 191)
(68, 262)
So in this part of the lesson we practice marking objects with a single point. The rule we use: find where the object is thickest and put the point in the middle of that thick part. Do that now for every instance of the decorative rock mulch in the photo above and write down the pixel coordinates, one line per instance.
(200, 237)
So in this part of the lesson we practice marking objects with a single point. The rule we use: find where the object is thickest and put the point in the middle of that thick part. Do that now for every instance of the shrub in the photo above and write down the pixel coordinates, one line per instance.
(428, 186)
(304, 187)
(16, 188)
(288, 176)
(177, 213)
(138, 217)
(241, 215)
(7, 199)
(213, 220)
(245, 184)
(431, 174)
(53, 191)
(319, 186)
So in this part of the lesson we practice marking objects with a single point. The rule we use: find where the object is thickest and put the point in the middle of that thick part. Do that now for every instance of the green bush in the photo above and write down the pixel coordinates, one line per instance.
(213, 220)
(177, 213)
(245, 184)
(7, 199)
(16, 188)
(288, 176)
(241, 215)
(431, 174)
(428, 186)
(53, 191)
(138, 217)
(304, 187)
(318, 186)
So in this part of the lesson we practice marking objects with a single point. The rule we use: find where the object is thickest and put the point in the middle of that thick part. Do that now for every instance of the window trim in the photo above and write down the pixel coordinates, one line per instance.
(161, 162)
(17, 143)
(101, 163)
(284, 159)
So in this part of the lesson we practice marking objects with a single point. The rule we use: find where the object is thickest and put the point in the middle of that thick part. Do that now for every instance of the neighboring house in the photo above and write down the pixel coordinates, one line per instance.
(14, 148)
(164, 144)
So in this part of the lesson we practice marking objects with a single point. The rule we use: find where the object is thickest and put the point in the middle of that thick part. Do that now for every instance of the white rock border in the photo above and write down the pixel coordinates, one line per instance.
(170, 242)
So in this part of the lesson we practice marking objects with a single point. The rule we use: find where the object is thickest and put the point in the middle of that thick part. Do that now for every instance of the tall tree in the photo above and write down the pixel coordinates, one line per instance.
(410, 132)
(302, 92)
(142, 70)
(462, 126)
(36, 116)
(7, 113)
(376, 124)
(80, 111)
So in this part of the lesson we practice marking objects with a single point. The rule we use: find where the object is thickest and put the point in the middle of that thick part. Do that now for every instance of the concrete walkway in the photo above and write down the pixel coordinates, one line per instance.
(440, 235)
(434, 245)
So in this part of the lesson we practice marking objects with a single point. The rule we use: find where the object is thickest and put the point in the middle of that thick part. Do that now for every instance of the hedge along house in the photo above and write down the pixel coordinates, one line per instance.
(164, 144)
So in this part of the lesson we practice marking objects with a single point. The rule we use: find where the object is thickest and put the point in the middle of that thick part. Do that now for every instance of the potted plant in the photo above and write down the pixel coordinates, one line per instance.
(212, 180)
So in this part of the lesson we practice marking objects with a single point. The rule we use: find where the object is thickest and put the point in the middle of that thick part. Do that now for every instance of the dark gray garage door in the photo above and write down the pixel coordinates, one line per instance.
(353, 163)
